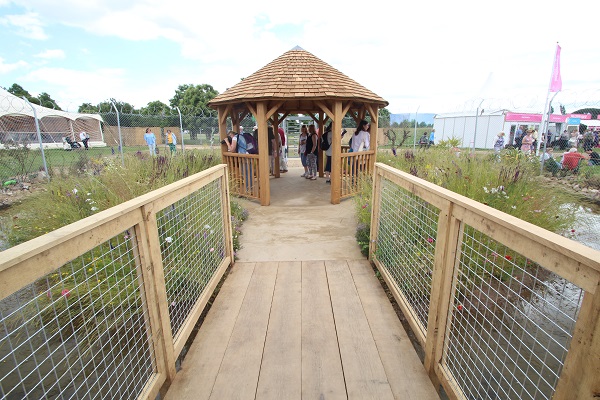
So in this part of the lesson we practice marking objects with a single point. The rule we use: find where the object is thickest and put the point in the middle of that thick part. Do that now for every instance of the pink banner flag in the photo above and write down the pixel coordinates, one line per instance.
(556, 82)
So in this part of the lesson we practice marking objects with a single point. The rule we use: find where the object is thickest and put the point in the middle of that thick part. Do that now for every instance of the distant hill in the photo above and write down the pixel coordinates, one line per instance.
(425, 117)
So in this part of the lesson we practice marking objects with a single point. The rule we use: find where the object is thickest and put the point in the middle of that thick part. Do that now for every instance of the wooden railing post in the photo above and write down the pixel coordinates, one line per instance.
(375, 212)
(579, 376)
(155, 282)
(441, 289)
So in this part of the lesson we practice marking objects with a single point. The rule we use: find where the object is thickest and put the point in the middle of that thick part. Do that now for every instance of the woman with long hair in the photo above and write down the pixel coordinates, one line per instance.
(361, 139)
(302, 149)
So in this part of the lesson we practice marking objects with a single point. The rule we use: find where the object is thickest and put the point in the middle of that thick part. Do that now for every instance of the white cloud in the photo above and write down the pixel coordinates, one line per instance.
(6, 68)
(27, 25)
(51, 54)
(433, 55)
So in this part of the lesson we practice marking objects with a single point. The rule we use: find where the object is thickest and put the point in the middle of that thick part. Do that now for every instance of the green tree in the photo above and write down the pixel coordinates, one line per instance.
(193, 99)
(156, 107)
(87, 108)
(384, 117)
(46, 101)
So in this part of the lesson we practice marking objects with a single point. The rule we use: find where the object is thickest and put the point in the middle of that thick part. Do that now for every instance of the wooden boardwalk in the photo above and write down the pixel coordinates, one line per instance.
(302, 330)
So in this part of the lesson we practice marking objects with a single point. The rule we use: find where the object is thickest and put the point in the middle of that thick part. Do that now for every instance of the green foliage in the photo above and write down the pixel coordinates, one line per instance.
(363, 205)
(193, 99)
(383, 118)
(450, 142)
(512, 185)
(96, 184)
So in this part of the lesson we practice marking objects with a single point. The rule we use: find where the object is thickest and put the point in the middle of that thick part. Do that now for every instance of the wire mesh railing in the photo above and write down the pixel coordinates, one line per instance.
(500, 306)
(101, 308)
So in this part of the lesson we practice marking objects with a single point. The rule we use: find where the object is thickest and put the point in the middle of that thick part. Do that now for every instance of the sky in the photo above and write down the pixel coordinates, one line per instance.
(420, 56)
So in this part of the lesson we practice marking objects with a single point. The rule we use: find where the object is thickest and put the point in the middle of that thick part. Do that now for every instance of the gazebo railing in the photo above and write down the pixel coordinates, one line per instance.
(243, 174)
(353, 165)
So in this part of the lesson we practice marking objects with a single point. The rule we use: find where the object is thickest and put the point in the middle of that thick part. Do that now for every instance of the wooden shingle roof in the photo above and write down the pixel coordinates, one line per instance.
(297, 75)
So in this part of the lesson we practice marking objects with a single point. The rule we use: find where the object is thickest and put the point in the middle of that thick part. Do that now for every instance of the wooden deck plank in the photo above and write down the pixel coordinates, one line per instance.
(238, 375)
(201, 364)
(363, 371)
(322, 374)
(404, 370)
(281, 370)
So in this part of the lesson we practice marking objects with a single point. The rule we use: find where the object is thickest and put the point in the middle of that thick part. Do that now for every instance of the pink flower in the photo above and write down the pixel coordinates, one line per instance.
(459, 307)
(66, 293)
(212, 249)
(430, 240)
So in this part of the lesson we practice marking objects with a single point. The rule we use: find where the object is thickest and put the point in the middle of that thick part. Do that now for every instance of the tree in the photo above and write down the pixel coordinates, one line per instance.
(156, 107)
(193, 99)
(20, 92)
(384, 117)
(87, 108)
(47, 101)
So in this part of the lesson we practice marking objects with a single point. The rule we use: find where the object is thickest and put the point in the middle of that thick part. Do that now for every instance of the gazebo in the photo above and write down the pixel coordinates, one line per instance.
(297, 82)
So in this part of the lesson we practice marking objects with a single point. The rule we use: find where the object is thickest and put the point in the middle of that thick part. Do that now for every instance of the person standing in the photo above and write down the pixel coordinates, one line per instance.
(432, 138)
(312, 145)
(527, 142)
(302, 149)
(84, 138)
(150, 141)
(499, 144)
(362, 138)
(171, 141)
(283, 151)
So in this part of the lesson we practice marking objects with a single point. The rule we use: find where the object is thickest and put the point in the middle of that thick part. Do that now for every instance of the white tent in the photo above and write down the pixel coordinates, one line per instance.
(17, 123)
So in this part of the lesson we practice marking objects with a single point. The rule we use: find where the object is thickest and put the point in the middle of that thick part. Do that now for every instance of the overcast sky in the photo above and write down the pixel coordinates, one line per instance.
(434, 56)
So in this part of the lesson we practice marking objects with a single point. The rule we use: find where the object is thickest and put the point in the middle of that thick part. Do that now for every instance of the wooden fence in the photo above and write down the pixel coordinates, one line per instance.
(104, 306)
(502, 308)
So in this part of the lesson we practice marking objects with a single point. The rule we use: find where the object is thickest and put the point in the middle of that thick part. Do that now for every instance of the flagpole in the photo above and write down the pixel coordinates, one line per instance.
(555, 83)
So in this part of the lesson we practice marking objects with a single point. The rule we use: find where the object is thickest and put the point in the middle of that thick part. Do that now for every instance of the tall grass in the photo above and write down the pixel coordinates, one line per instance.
(93, 184)
(510, 183)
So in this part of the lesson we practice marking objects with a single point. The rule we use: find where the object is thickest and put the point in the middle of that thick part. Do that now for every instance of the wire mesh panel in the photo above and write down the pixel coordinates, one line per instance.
(192, 239)
(80, 332)
(406, 245)
(510, 325)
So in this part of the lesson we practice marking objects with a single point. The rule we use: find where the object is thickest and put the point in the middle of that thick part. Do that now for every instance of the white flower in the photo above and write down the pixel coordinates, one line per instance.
(494, 190)
(206, 226)
(94, 208)
(169, 239)
(75, 191)
(513, 207)
(485, 189)
(89, 194)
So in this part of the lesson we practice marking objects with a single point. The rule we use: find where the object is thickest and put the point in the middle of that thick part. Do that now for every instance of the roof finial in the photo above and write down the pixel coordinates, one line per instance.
(298, 48)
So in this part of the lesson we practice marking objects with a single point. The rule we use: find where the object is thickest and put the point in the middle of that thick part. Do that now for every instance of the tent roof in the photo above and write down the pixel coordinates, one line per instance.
(297, 75)
(13, 105)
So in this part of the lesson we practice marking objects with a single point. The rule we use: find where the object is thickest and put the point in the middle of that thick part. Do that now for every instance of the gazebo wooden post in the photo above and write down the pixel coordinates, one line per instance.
(276, 161)
(263, 154)
(336, 153)
(223, 131)
(373, 110)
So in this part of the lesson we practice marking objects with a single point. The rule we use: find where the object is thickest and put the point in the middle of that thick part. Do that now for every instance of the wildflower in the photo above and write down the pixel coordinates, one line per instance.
(509, 258)
(94, 208)
(75, 191)
(485, 189)
(89, 194)
(494, 190)
(537, 211)
(65, 293)
(212, 249)
(430, 240)
(572, 230)
(459, 307)
(169, 239)
(513, 207)
(206, 226)
(364, 205)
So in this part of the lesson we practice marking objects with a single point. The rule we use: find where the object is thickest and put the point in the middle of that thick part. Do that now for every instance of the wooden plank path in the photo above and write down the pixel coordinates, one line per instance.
(301, 330)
